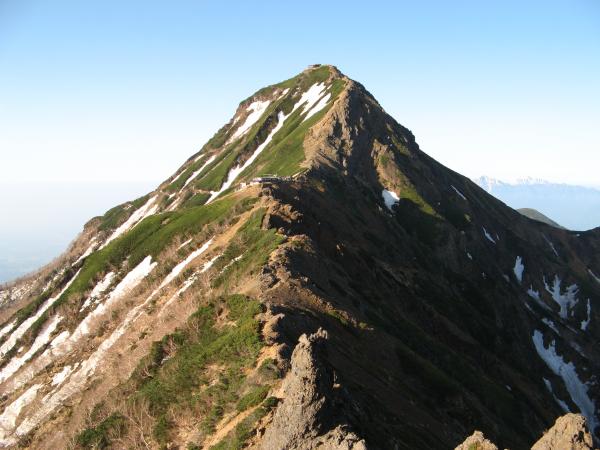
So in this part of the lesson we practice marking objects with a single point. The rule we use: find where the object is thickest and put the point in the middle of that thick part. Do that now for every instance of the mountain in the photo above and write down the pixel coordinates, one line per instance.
(575, 207)
(536, 215)
(310, 278)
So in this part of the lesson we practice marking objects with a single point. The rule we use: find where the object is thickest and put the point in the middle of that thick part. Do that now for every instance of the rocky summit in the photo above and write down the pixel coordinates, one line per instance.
(309, 279)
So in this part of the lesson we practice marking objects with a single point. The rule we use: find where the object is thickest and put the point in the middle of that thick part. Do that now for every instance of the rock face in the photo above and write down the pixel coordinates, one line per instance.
(568, 433)
(310, 415)
(476, 441)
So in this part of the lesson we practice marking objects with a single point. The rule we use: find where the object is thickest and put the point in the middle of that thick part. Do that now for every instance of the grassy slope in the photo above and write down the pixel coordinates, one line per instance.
(179, 380)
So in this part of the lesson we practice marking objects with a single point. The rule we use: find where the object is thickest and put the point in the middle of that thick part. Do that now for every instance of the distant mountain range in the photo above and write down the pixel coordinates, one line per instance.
(573, 207)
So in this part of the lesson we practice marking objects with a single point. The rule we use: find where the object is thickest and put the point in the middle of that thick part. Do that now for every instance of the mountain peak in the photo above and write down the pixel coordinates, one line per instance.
(309, 278)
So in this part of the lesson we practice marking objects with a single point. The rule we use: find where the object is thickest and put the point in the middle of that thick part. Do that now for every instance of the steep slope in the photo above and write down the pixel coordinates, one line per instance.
(310, 277)
(534, 214)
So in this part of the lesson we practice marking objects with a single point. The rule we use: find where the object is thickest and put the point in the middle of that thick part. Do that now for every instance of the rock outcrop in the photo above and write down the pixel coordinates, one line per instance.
(310, 416)
(477, 441)
(570, 432)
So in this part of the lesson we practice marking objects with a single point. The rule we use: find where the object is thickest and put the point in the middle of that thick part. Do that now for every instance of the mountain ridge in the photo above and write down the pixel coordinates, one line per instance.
(310, 235)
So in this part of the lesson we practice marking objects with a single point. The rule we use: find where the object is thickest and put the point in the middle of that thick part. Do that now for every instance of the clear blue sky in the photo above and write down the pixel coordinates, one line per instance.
(126, 90)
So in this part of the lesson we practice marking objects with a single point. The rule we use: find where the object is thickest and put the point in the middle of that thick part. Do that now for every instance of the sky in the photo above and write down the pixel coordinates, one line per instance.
(109, 93)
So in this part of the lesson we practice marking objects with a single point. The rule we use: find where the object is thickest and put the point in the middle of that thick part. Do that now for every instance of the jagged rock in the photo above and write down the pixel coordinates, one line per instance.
(568, 433)
(303, 420)
(476, 441)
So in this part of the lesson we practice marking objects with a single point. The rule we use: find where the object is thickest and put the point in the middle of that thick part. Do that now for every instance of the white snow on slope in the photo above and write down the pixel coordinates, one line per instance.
(551, 245)
(565, 300)
(9, 416)
(318, 107)
(191, 280)
(488, 236)
(533, 293)
(458, 192)
(519, 268)
(390, 198)
(20, 331)
(127, 284)
(310, 97)
(98, 290)
(233, 173)
(40, 341)
(551, 325)
(89, 250)
(593, 275)
(138, 215)
(469, 256)
(182, 265)
(61, 376)
(585, 323)
(256, 109)
(79, 377)
(65, 343)
(576, 388)
(562, 404)
(199, 171)
(7, 328)
(185, 243)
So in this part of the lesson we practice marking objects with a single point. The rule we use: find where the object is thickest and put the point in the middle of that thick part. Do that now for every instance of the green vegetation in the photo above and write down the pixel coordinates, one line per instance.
(149, 237)
(117, 215)
(285, 153)
(100, 436)
(216, 172)
(252, 398)
(196, 200)
(248, 250)
(179, 380)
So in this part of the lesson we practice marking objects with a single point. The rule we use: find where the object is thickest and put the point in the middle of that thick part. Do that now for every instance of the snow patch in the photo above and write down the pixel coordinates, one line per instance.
(565, 300)
(7, 328)
(460, 194)
(127, 284)
(469, 256)
(88, 251)
(256, 110)
(488, 236)
(8, 419)
(594, 276)
(567, 371)
(310, 97)
(233, 173)
(585, 323)
(40, 341)
(533, 293)
(318, 107)
(79, 377)
(519, 268)
(179, 267)
(550, 324)
(199, 171)
(61, 376)
(98, 290)
(138, 215)
(390, 198)
(551, 245)
(20, 331)
(562, 404)
(185, 243)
